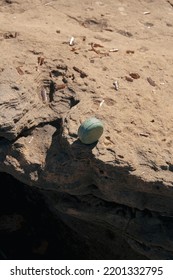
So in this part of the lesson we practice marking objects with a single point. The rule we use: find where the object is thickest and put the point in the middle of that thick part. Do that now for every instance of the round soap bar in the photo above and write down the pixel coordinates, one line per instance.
(90, 131)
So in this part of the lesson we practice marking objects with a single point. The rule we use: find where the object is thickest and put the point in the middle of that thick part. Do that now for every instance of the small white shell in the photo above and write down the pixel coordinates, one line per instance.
(30, 140)
(71, 43)
(146, 13)
(116, 85)
(101, 103)
(114, 50)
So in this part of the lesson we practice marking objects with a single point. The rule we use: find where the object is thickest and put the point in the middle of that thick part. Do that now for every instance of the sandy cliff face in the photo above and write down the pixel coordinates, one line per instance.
(49, 87)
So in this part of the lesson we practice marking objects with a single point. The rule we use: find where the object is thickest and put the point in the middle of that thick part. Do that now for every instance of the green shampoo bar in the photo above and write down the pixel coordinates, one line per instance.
(90, 130)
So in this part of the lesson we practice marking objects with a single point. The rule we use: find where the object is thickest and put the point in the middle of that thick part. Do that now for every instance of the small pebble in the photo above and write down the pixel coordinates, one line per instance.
(151, 82)
(134, 75)
(129, 79)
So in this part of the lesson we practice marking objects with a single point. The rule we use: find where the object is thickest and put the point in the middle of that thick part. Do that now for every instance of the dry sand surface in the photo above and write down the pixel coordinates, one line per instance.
(114, 40)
